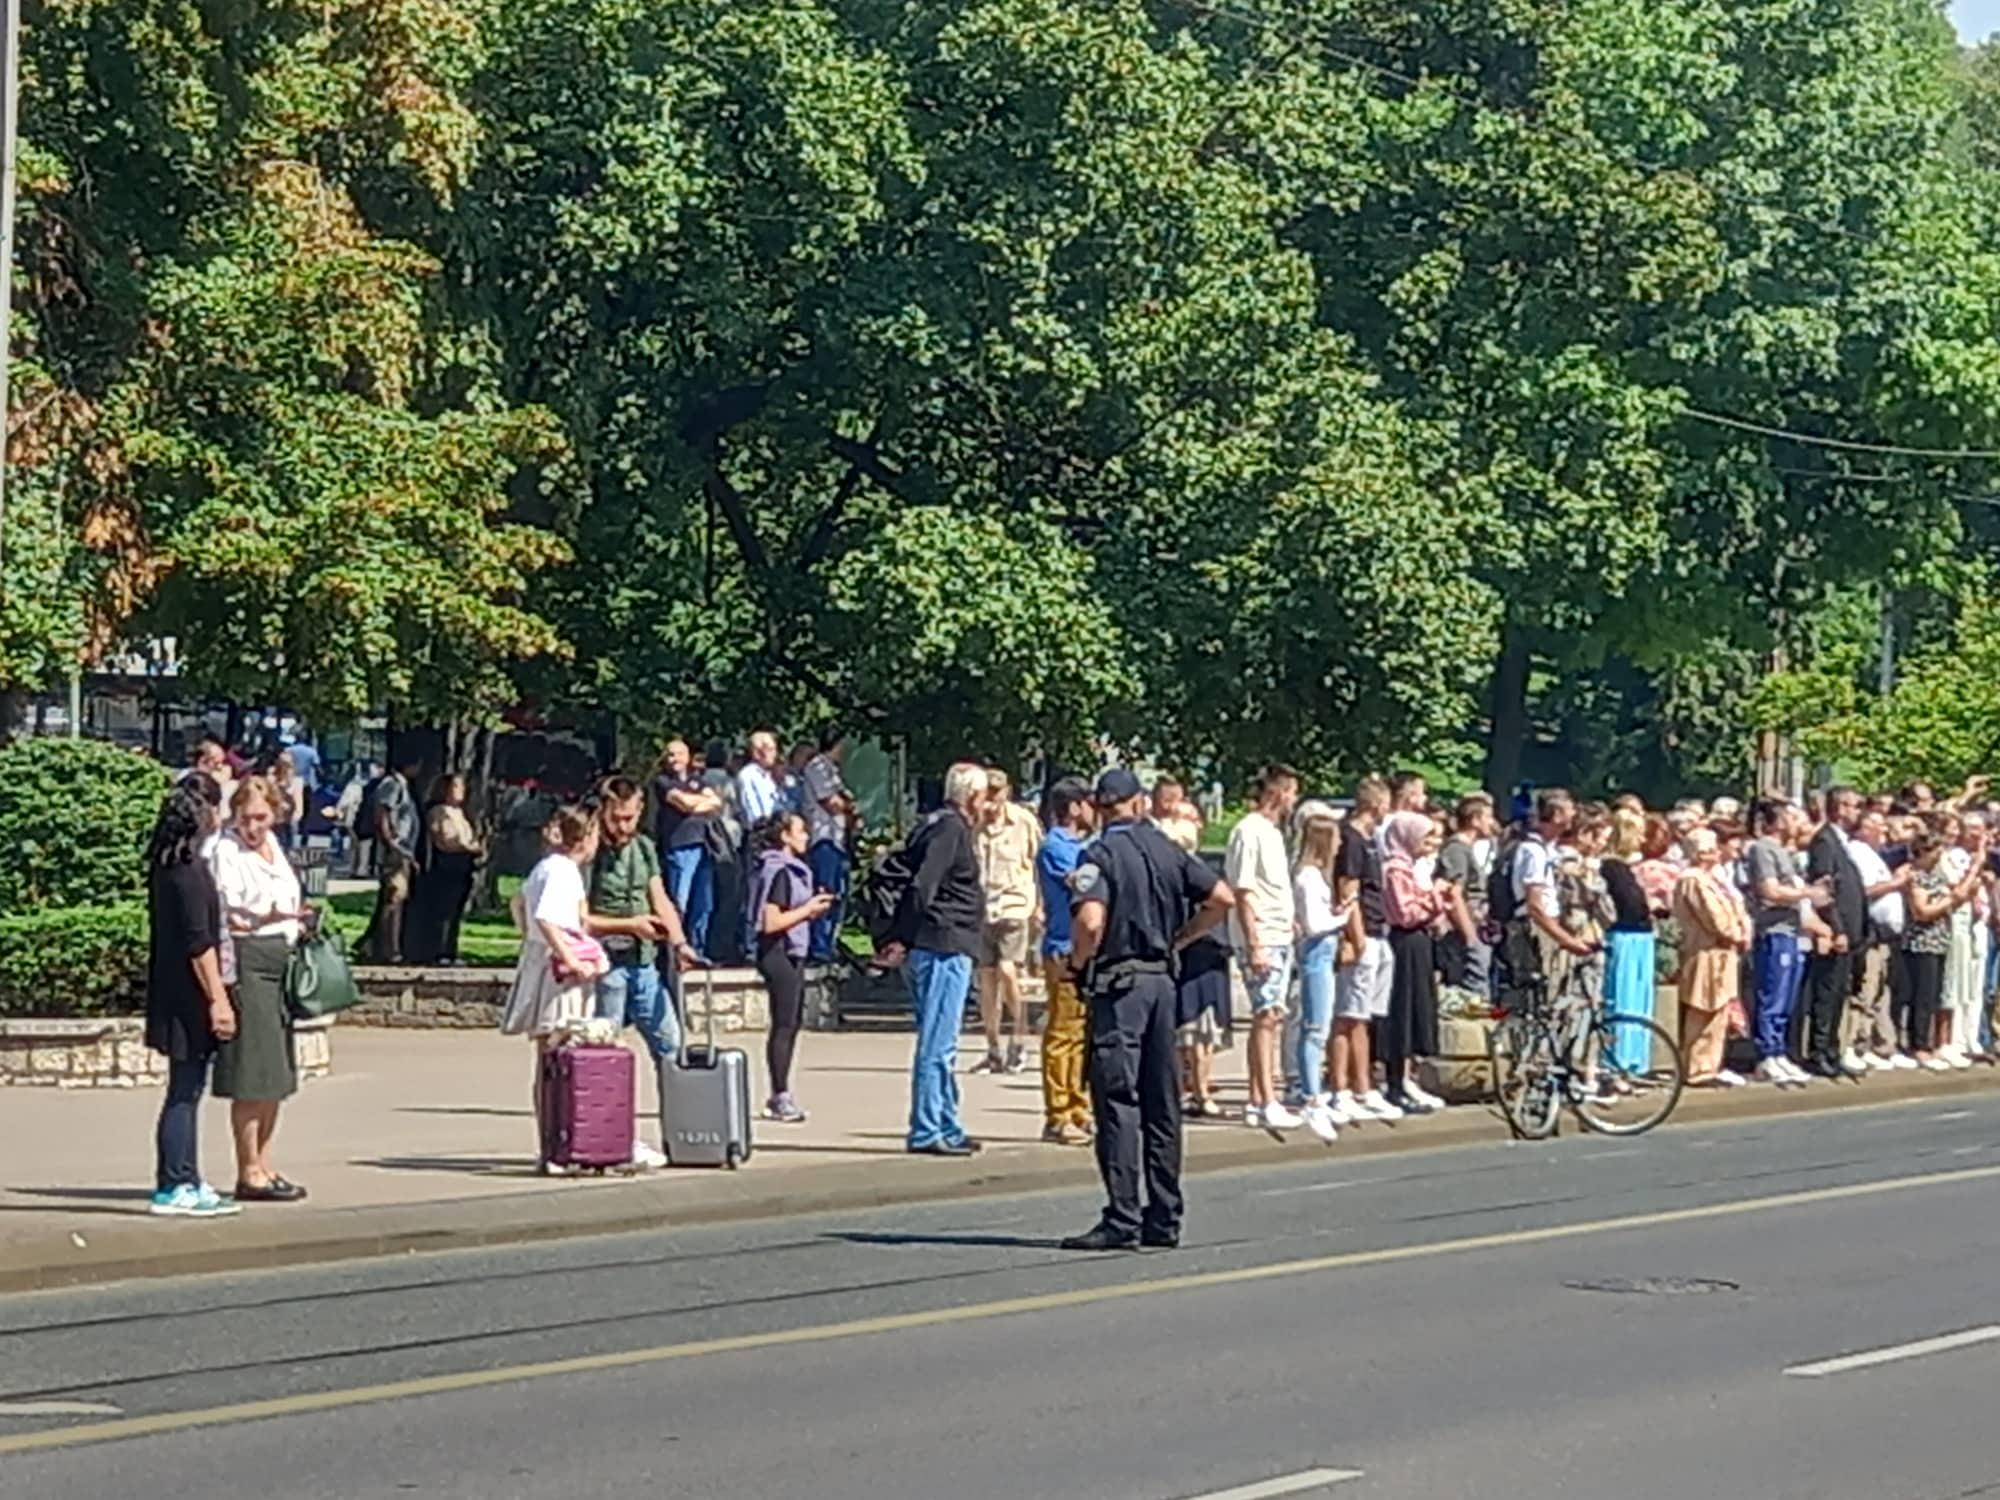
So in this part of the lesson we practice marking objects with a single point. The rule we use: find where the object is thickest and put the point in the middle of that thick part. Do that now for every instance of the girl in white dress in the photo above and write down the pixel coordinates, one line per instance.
(555, 980)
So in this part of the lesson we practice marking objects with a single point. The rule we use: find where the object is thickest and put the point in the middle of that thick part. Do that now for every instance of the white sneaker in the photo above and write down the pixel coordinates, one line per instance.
(1773, 1070)
(1856, 1062)
(1729, 1080)
(1424, 1096)
(1375, 1105)
(1277, 1117)
(1319, 1120)
(644, 1155)
(1253, 1117)
(1799, 1075)
(1344, 1110)
(1902, 1062)
(1935, 1064)
(1960, 1059)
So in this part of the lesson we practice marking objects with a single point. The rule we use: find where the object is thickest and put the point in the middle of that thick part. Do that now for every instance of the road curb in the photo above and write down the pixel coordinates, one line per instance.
(86, 1251)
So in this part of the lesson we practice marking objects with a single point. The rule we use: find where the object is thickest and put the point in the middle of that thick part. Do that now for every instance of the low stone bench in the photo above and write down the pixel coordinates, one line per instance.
(111, 1052)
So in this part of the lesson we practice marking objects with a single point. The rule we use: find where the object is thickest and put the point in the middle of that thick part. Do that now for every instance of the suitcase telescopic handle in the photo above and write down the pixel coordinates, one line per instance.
(707, 971)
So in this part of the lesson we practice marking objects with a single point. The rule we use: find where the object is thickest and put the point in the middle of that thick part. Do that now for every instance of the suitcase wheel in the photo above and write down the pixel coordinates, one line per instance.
(734, 1159)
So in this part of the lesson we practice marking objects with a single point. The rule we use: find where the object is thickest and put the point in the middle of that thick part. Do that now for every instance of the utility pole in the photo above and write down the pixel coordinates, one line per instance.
(10, 73)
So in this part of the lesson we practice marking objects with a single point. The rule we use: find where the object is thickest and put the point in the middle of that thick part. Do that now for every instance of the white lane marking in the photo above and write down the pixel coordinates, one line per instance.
(59, 1409)
(1284, 1484)
(1607, 1155)
(1944, 1342)
(1316, 1187)
(1954, 1114)
(1966, 1150)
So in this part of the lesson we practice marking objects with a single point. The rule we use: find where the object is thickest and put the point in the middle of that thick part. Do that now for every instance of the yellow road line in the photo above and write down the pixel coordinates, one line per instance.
(472, 1380)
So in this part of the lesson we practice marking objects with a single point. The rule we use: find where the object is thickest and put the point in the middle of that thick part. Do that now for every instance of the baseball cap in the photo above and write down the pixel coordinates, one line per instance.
(1117, 785)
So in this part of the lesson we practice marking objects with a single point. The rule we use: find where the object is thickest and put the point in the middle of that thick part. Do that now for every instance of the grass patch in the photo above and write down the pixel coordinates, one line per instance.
(486, 939)
(1215, 834)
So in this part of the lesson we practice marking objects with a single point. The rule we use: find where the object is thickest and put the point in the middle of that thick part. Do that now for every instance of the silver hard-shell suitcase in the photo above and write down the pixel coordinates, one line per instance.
(705, 1097)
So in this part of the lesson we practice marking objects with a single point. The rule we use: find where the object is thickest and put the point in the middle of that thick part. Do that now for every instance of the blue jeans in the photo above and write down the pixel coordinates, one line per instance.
(1315, 1011)
(1779, 966)
(691, 883)
(829, 867)
(177, 1155)
(939, 983)
(631, 995)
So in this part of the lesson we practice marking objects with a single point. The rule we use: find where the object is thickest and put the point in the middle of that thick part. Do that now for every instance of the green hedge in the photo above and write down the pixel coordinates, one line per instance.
(74, 961)
(74, 819)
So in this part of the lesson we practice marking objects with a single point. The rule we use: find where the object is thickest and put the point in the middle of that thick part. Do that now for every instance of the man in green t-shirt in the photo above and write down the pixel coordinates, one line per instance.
(630, 914)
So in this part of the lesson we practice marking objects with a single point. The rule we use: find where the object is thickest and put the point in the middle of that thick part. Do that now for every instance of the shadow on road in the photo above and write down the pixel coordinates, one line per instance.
(970, 1241)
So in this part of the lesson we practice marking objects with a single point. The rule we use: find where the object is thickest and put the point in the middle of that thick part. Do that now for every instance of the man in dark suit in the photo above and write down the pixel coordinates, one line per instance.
(1830, 974)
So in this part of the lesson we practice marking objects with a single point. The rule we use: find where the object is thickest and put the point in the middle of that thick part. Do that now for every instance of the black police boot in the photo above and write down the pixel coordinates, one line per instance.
(1103, 1237)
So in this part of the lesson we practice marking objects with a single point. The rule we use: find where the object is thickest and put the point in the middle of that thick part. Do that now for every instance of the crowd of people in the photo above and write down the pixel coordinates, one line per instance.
(1836, 935)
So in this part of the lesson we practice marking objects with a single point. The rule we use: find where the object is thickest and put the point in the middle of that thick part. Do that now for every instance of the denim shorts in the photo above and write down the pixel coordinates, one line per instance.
(1274, 989)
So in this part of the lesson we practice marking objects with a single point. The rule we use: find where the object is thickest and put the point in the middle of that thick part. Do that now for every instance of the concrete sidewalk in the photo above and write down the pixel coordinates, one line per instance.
(424, 1140)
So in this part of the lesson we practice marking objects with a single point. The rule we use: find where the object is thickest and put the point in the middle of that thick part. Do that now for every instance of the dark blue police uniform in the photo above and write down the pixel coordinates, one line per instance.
(1149, 889)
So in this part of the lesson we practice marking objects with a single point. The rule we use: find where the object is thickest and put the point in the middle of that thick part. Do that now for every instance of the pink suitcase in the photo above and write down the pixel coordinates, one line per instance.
(589, 1107)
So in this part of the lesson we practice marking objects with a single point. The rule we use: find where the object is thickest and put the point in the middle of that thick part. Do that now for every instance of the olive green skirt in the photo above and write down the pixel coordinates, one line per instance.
(258, 1063)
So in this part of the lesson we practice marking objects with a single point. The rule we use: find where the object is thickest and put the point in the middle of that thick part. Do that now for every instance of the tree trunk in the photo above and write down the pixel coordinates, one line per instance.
(1510, 716)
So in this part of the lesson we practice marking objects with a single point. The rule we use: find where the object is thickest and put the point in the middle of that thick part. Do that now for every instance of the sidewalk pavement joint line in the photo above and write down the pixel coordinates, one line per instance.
(938, 1317)
(1284, 1484)
(1868, 1359)
(59, 1409)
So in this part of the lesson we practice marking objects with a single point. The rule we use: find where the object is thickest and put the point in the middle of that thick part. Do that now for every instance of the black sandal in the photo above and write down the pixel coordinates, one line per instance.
(277, 1190)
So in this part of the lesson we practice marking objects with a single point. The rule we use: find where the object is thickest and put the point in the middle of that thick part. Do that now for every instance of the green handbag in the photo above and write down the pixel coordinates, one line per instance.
(318, 981)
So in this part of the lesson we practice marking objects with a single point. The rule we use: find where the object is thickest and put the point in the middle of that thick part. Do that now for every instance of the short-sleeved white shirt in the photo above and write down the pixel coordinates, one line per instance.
(553, 892)
(1535, 868)
(1257, 866)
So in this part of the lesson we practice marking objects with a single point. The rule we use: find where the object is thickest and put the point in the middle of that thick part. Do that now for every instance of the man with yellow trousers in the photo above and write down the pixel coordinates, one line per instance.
(1065, 1026)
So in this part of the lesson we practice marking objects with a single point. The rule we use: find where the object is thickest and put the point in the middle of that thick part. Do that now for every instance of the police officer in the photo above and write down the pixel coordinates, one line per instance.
(1137, 901)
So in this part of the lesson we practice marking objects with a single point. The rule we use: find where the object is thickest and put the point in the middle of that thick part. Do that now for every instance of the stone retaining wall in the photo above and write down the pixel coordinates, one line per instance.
(111, 1052)
(472, 999)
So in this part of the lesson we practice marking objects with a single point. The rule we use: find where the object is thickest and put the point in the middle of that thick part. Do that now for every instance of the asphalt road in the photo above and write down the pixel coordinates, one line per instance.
(1586, 1318)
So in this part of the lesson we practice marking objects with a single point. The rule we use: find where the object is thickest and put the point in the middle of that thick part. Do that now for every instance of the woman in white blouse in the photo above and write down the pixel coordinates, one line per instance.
(263, 917)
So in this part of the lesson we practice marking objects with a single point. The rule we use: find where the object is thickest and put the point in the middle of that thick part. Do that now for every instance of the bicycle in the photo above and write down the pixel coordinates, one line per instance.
(1619, 1074)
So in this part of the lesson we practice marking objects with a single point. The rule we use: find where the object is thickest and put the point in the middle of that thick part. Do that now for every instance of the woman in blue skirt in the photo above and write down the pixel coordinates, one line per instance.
(1628, 983)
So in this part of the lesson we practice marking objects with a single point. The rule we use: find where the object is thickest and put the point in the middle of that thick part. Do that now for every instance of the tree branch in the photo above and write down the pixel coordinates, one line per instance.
(819, 539)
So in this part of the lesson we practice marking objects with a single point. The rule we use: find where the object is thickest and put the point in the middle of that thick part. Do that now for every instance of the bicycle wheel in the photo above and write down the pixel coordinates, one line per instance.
(1639, 1076)
(1525, 1082)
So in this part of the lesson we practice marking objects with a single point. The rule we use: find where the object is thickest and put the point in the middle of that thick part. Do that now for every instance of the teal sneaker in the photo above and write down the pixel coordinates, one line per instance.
(215, 1205)
(185, 1202)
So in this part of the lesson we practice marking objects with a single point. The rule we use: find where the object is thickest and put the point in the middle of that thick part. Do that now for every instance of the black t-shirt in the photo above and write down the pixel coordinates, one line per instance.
(185, 921)
(1360, 859)
(672, 828)
(1634, 913)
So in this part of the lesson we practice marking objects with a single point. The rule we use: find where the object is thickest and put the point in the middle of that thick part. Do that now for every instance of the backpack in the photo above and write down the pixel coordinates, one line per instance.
(364, 815)
(1501, 906)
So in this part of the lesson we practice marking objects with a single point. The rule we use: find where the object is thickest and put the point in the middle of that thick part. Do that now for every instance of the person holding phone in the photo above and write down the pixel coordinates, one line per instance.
(786, 904)
(632, 916)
